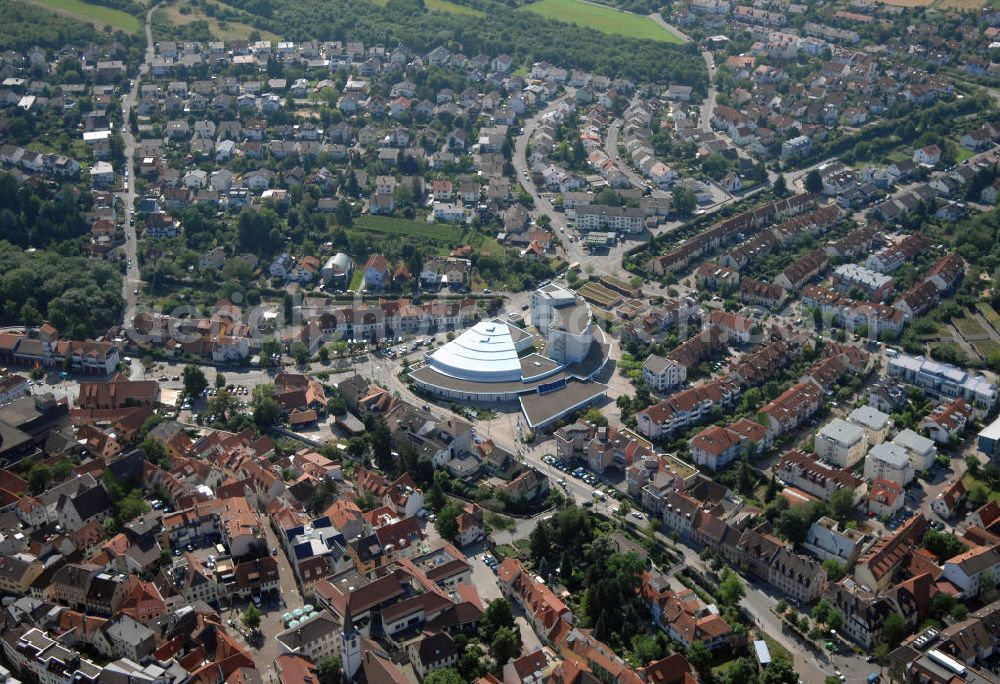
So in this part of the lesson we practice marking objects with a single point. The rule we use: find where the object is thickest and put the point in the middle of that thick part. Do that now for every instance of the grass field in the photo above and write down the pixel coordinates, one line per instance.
(102, 16)
(439, 232)
(986, 348)
(445, 6)
(223, 30)
(969, 481)
(356, 277)
(604, 19)
(961, 4)
(969, 327)
(442, 6)
(990, 314)
(962, 153)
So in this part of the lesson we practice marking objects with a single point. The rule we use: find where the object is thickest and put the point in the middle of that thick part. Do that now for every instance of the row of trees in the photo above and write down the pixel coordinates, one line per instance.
(526, 36)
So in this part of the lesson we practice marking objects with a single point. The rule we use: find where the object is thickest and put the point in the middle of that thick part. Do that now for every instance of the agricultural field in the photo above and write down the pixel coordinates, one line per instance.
(96, 14)
(962, 4)
(604, 19)
(438, 232)
(445, 6)
(223, 30)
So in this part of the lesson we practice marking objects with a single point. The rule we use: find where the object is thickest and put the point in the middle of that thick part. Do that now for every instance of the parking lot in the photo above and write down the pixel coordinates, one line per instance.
(603, 489)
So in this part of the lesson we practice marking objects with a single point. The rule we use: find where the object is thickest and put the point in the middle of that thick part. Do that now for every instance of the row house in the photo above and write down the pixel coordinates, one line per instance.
(601, 447)
(763, 555)
(793, 406)
(683, 616)
(745, 224)
(543, 608)
(802, 270)
(805, 472)
(947, 421)
(687, 407)
(756, 367)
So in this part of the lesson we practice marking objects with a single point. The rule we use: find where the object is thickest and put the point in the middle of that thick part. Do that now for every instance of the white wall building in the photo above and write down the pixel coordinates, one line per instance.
(890, 462)
(841, 443)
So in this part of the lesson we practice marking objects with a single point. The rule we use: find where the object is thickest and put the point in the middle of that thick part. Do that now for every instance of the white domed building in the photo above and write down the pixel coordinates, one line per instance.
(494, 363)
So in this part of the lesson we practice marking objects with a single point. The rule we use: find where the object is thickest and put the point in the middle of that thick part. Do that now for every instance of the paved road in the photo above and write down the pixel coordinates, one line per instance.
(608, 262)
(133, 277)
(708, 106)
(655, 16)
(758, 602)
(611, 148)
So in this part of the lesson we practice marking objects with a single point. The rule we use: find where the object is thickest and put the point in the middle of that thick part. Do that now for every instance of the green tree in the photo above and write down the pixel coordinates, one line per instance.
(700, 658)
(194, 380)
(540, 543)
(251, 618)
(814, 182)
(683, 200)
(645, 649)
(154, 451)
(566, 565)
(742, 671)
(445, 675)
(129, 508)
(62, 470)
(299, 353)
(731, 589)
(498, 615)
(842, 504)
(266, 409)
(505, 645)
(834, 570)
(780, 187)
(944, 545)
(270, 352)
(780, 671)
(329, 670)
(793, 524)
(38, 477)
(220, 381)
(835, 620)
(446, 522)
(894, 629)
(594, 415)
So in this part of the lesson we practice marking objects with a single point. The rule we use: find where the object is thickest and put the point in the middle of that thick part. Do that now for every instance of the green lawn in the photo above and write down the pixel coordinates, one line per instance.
(962, 153)
(776, 649)
(445, 6)
(606, 19)
(356, 279)
(87, 12)
(969, 481)
(986, 348)
(990, 314)
(969, 327)
(442, 6)
(439, 232)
